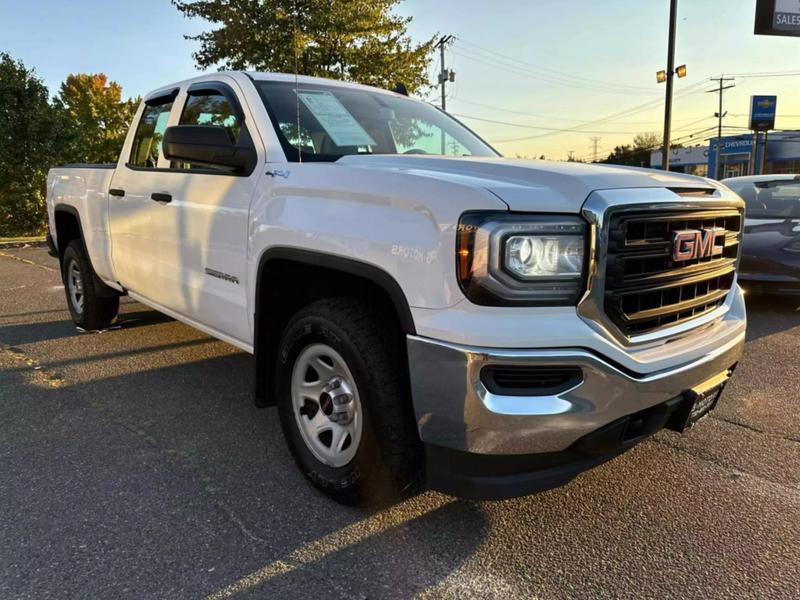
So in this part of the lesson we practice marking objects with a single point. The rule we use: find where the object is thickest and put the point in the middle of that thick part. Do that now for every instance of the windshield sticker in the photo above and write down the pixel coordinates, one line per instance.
(337, 121)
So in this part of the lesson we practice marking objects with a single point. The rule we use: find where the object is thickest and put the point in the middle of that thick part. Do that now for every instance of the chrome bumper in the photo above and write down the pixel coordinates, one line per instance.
(454, 409)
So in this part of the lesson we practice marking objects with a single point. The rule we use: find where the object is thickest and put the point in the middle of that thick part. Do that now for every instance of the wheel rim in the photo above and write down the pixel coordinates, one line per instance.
(326, 405)
(75, 285)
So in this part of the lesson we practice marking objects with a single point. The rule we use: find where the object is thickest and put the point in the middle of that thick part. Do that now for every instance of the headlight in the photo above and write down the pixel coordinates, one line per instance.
(543, 256)
(520, 259)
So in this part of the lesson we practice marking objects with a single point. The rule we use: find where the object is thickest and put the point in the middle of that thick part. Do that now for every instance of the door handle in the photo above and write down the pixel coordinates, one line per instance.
(161, 197)
(116, 192)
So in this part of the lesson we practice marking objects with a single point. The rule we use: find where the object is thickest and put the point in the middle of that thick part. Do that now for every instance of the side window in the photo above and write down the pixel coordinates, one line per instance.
(211, 108)
(149, 132)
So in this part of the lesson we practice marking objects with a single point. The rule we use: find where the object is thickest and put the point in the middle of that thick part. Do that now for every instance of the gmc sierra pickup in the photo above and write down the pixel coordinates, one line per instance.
(419, 308)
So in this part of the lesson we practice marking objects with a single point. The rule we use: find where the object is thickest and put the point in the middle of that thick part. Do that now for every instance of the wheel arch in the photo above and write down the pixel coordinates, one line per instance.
(274, 308)
(68, 227)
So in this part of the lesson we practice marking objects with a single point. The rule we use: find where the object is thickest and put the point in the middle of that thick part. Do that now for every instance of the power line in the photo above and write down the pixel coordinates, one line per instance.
(688, 125)
(767, 74)
(555, 129)
(524, 72)
(550, 118)
(776, 116)
(689, 136)
(634, 110)
(555, 72)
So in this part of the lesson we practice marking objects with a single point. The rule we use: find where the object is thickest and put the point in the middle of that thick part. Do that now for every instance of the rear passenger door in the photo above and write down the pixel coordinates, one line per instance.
(202, 234)
(132, 213)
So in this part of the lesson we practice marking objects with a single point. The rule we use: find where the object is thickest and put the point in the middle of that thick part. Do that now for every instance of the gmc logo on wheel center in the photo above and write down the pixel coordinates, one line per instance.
(696, 243)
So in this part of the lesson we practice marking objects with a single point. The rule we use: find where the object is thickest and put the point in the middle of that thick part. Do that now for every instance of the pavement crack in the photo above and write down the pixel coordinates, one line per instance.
(733, 470)
(755, 429)
(182, 460)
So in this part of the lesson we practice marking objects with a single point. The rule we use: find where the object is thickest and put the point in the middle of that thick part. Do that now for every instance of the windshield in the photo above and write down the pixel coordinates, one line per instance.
(779, 198)
(336, 121)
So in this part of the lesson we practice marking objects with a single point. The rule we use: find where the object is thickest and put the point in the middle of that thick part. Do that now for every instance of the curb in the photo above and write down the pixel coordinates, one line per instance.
(42, 243)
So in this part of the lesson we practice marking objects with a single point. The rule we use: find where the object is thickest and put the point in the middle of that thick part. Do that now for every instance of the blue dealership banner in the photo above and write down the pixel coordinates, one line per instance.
(762, 112)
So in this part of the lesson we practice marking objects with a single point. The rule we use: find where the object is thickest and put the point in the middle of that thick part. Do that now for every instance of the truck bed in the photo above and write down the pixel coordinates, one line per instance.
(83, 189)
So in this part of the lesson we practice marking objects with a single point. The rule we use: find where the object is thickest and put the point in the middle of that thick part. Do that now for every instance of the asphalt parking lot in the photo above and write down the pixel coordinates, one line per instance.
(133, 464)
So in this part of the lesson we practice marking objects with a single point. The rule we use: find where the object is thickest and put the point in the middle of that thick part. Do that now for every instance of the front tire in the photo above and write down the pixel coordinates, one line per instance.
(92, 305)
(344, 403)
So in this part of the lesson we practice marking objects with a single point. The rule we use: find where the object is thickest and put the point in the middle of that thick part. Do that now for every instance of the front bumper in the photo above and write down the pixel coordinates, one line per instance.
(515, 444)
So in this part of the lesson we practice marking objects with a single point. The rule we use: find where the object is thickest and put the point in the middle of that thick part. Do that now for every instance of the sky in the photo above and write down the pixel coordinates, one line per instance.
(526, 69)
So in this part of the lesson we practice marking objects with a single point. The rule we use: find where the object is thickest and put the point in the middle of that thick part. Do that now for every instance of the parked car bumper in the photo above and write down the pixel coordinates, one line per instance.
(487, 441)
(773, 281)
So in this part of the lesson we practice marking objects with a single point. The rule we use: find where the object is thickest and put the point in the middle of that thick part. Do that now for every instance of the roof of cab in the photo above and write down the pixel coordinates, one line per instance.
(262, 76)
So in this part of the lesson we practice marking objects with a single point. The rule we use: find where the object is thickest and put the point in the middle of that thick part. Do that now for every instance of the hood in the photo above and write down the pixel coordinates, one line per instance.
(529, 185)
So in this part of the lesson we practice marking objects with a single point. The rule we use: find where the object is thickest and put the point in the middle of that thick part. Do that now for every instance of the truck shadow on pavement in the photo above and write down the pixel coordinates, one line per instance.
(173, 483)
(32, 332)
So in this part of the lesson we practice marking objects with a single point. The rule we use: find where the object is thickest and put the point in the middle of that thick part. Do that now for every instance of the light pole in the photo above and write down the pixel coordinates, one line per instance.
(673, 14)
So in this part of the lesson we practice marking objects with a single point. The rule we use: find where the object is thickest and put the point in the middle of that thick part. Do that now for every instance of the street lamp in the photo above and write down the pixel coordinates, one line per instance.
(661, 76)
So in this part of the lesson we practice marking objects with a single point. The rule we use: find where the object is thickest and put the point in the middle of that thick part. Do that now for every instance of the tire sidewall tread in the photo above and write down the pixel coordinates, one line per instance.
(387, 459)
(99, 311)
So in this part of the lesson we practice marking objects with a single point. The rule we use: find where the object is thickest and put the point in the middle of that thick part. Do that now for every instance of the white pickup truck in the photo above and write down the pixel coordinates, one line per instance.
(419, 308)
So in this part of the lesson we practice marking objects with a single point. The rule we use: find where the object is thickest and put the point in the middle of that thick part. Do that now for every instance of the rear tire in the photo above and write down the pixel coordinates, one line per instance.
(93, 306)
(341, 370)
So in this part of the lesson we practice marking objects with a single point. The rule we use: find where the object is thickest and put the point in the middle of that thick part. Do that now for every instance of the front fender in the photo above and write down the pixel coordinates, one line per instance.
(401, 223)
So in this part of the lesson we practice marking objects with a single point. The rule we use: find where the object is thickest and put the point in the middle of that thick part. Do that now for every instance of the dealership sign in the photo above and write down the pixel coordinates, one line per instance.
(762, 112)
(778, 17)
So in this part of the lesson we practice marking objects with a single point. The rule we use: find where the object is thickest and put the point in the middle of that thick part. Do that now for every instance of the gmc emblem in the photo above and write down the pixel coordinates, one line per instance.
(696, 243)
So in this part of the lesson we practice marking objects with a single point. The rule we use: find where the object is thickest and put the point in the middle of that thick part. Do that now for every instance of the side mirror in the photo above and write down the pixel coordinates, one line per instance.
(207, 145)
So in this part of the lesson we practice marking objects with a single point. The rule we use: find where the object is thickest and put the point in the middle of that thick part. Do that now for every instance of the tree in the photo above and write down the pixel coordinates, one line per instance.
(355, 40)
(98, 117)
(31, 137)
(636, 154)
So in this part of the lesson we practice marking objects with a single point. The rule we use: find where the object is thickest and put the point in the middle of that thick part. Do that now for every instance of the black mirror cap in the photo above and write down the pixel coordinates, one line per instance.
(208, 145)
(400, 88)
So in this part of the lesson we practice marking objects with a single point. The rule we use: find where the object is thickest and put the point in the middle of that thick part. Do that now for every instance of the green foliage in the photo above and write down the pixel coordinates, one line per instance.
(31, 131)
(97, 118)
(86, 123)
(636, 154)
(355, 40)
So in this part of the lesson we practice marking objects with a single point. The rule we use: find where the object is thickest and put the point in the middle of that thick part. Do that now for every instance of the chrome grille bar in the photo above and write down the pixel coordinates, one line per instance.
(646, 288)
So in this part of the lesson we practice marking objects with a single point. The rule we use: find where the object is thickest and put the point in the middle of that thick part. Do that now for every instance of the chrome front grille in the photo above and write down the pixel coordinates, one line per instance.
(645, 288)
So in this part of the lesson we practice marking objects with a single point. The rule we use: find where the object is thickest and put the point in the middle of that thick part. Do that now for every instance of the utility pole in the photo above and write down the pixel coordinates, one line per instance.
(673, 16)
(595, 143)
(445, 75)
(719, 90)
